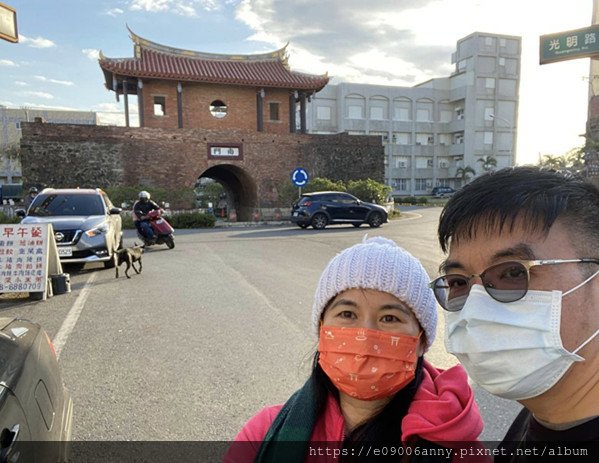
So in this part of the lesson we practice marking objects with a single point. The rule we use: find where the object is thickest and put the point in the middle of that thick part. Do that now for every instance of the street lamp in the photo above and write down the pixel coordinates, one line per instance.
(511, 127)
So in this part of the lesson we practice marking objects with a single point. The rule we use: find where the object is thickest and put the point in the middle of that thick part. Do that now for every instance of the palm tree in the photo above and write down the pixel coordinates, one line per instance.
(554, 162)
(488, 163)
(464, 173)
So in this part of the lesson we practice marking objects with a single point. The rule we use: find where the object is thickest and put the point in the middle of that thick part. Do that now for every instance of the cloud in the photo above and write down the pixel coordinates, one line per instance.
(179, 7)
(8, 63)
(46, 96)
(68, 83)
(353, 34)
(114, 12)
(38, 42)
(114, 114)
(91, 53)
(20, 83)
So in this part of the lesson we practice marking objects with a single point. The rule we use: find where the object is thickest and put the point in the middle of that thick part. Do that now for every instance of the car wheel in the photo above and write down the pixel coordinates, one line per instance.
(357, 225)
(375, 220)
(319, 221)
(110, 263)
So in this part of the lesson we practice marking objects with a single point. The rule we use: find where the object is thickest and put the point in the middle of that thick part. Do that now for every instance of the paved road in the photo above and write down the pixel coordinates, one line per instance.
(210, 331)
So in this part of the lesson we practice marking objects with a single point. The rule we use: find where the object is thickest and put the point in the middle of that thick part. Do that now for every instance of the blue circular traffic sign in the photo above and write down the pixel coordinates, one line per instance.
(300, 177)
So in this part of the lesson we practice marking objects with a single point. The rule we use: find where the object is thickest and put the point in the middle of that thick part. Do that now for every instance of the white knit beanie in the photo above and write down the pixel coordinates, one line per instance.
(379, 263)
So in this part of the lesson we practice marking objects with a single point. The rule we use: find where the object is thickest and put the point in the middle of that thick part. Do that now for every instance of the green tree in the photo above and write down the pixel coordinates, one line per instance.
(572, 161)
(464, 173)
(488, 163)
(369, 190)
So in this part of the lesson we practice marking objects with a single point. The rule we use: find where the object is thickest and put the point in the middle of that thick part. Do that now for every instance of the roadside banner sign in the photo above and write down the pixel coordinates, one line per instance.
(300, 177)
(28, 255)
(574, 44)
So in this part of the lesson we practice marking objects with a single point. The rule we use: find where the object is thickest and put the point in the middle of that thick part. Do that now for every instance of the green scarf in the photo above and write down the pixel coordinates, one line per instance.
(289, 434)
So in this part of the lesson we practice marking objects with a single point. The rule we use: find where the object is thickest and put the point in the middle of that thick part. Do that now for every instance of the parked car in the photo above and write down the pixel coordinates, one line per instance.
(443, 192)
(36, 410)
(87, 226)
(323, 208)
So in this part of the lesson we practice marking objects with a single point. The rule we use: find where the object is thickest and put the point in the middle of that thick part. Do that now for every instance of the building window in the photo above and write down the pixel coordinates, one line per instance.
(377, 113)
(444, 139)
(458, 139)
(490, 82)
(445, 115)
(459, 113)
(18, 125)
(422, 184)
(273, 109)
(501, 61)
(354, 112)
(424, 138)
(443, 164)
(400, 184)
(159, 106)
(323, 113)
(489, 114)
(403, 138)
(218, 109)
(423, 115)
(488, 138)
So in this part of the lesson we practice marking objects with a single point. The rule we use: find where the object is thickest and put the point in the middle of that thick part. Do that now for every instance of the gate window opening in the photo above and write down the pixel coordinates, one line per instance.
(218, 109)
(159, 106)
(274, 111)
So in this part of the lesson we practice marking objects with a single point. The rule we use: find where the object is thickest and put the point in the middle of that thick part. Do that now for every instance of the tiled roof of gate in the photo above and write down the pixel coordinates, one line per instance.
(153, 60)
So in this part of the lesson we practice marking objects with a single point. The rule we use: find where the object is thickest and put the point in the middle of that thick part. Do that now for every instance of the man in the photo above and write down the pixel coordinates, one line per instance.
(30, 197)
(140, 211)
(521, 291)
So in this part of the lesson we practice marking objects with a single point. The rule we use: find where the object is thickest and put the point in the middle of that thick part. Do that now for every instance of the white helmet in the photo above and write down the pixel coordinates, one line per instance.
(144, 195)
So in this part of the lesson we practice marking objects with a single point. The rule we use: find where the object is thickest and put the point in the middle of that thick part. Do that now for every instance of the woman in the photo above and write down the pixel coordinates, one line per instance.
(375, 317)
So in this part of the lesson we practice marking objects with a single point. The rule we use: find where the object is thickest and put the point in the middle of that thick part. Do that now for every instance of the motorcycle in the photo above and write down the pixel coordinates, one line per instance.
(163, 231)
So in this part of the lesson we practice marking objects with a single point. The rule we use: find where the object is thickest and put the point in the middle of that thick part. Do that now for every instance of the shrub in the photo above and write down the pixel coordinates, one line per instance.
(422, 200)
(192, 220)
(369, 190)
(127, 221)
(4, 218)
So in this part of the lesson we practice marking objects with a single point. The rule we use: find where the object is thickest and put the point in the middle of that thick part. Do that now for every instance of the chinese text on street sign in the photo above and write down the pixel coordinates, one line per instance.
(579, 43)
(23, 258)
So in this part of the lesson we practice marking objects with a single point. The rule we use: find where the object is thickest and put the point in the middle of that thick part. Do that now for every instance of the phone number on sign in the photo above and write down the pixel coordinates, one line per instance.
(20, 287)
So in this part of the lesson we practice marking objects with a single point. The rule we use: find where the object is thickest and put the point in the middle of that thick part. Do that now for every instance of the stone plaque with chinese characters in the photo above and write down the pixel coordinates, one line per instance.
(25, 251)
(225, 151)
(579, 43)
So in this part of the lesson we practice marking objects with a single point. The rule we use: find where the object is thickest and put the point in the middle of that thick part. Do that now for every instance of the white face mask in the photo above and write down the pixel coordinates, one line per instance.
(513, 350)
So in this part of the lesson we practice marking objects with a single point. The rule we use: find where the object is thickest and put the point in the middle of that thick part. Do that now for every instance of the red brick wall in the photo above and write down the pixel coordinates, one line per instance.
(196, 99)
(61, 155)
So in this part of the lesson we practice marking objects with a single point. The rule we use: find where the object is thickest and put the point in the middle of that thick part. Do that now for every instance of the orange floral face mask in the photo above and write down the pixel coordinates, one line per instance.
(367, 364)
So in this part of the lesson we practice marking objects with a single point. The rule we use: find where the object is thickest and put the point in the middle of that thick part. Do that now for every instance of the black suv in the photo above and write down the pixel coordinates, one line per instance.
(442, 192)
(322, 208)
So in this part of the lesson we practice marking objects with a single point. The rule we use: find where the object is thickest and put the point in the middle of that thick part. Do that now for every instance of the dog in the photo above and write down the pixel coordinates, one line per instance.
(129, 256)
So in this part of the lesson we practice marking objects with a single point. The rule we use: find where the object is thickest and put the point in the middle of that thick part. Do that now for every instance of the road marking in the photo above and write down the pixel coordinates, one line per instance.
(69, 322)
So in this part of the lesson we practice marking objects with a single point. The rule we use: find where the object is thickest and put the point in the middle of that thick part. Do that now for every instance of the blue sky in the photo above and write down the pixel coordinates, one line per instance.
(392, 42)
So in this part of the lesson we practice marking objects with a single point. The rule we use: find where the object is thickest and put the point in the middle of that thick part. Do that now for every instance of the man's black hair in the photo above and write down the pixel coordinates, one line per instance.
(536, 196)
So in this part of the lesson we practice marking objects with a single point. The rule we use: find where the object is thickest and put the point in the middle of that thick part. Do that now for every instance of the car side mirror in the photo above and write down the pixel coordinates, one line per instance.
(115, 210)
(21, 213)
(358, 201)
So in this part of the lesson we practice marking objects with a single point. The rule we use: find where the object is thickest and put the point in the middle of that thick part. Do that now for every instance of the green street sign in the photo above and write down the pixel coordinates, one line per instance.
(578, 43)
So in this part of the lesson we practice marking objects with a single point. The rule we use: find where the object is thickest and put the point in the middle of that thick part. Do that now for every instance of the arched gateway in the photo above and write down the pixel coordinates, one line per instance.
(239, 119)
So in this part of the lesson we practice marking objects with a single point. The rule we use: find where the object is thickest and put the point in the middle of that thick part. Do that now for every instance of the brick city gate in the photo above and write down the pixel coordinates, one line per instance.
(252, 166)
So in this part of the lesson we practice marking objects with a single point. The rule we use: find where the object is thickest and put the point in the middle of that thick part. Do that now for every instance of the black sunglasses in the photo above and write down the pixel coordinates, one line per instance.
(505, 282)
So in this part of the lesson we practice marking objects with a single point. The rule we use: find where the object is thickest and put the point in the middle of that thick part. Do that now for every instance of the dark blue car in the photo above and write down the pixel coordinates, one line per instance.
(323, 208)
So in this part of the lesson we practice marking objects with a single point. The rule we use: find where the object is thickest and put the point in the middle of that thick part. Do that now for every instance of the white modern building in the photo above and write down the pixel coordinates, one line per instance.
(10, 134)
(434, 131)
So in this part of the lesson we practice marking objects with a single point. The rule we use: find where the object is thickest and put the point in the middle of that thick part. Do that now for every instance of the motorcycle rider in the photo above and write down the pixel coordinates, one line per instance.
(140, 210)
(31, 196)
